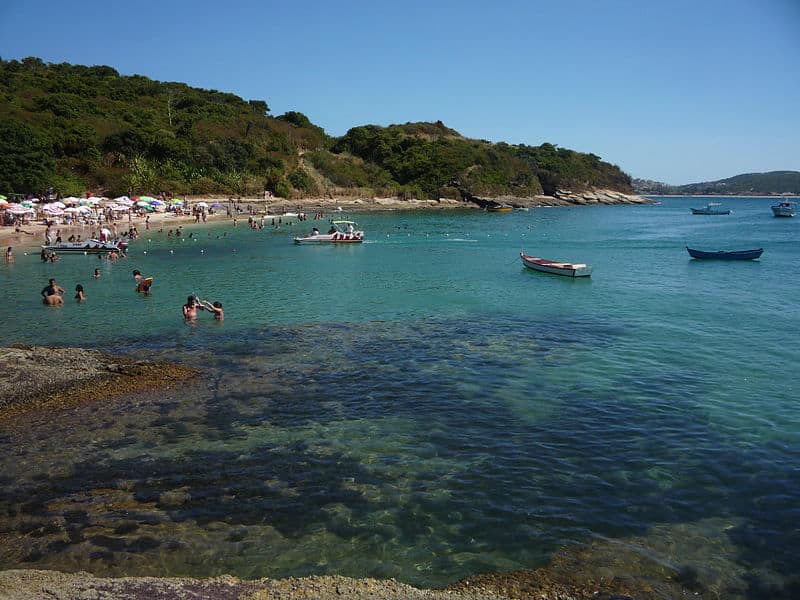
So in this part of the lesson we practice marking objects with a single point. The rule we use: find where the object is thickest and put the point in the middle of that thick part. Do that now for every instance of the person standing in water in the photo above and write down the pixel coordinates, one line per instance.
(215, 309)
(79, 295)
(191, 307)
(52, 294)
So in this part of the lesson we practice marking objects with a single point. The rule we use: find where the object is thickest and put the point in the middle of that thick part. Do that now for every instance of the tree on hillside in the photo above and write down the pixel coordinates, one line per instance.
(26, 162)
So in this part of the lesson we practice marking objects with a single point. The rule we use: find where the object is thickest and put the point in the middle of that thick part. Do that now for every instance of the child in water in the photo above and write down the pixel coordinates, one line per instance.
(215, 309)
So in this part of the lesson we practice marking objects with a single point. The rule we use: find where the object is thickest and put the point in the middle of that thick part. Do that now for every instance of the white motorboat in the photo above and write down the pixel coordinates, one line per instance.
(88, 247)
(341, 232)
(784, 209)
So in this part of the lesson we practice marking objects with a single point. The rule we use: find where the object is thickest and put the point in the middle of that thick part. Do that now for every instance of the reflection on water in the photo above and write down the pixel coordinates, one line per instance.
(427, 451)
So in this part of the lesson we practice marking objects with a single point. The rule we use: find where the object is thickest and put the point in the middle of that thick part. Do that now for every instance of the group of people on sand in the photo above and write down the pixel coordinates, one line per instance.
(53, 294)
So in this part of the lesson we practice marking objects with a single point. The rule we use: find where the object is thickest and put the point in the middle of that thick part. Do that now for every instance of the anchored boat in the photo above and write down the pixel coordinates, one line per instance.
(553, 266)
(784, 209)
(724, 255)
(88, 247)
(712, 208)
(341, 232)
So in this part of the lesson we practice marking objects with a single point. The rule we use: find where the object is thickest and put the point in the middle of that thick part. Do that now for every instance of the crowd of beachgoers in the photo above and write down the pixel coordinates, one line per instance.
(102, 222)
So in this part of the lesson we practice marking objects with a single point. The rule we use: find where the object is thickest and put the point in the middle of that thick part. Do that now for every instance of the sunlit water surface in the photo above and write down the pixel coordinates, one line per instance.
(420, 406)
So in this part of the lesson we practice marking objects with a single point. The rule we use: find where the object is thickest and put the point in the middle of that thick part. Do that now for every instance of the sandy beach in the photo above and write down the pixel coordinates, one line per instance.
(32, 234)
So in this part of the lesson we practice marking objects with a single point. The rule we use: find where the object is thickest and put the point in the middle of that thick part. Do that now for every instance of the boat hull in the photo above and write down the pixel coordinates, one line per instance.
(555, 267)
(722, 255)
(783, 210)
(705, 211)
(88, 247)
(333, 238)
(500, 209)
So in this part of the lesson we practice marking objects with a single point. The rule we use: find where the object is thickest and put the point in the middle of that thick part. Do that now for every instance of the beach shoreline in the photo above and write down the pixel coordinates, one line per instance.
(32, 235)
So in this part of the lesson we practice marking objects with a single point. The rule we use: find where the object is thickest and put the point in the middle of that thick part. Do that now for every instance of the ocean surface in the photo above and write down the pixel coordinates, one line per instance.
(422, 407)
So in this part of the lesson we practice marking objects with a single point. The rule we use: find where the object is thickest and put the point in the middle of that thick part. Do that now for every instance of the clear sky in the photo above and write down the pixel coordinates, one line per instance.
(679, 91)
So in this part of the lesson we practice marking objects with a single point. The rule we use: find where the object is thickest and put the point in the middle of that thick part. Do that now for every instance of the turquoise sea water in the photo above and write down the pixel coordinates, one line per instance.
(421, 406)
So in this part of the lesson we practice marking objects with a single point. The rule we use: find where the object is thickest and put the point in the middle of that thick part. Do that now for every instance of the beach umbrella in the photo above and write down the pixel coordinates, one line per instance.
(72, 209)
(123, 200)
(2, 198)
(216, 205)
(156, 202)
(20, 210)
(177, 201)
(202, 204)
(58, 204)
(84, 210)
(71, 200)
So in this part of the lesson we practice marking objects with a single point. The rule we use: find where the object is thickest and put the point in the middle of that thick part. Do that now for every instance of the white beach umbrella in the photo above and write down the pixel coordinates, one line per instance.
(71, 200)
(124, 200)
(84, 210)
(20, 210)
(72, 209)
(202, 204)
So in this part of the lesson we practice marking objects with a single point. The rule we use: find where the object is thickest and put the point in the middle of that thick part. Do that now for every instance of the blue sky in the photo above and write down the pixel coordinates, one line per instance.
(675, 90)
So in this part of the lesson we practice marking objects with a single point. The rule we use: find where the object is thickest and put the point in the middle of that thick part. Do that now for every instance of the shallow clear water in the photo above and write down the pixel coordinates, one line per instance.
(421, 406)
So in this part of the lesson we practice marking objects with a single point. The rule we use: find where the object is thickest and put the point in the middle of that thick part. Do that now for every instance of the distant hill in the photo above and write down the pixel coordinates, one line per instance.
(76, 128)
(749, 184)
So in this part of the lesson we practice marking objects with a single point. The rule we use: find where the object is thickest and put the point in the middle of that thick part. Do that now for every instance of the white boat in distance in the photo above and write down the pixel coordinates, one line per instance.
(88, 247)
(784, 209)
(555, 267)
(341, 232)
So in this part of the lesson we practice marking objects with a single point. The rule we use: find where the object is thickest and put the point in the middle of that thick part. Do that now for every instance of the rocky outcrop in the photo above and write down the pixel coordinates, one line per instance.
(599, 197)
(37, 375)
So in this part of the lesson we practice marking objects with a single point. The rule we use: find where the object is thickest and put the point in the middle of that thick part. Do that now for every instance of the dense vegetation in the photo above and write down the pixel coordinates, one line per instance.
(756, 184)
(76, 128)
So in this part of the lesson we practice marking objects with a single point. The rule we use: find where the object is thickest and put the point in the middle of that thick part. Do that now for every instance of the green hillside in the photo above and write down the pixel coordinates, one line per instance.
(748, 184)
(76, 128)
(774, 182)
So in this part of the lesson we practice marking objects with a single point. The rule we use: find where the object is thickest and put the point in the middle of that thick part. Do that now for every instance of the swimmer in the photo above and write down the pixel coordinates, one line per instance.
(96, 274)
(191, 307)
(79, 295)
(52, 294)
(9, 255)
(143, 284)
(215, 309)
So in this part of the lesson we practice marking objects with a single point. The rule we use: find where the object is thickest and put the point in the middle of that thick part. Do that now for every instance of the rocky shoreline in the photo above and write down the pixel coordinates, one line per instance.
(35, 377)
(39, 376)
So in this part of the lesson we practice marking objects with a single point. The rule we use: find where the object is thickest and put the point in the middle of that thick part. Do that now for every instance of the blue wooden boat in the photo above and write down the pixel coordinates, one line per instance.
(723, 255)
